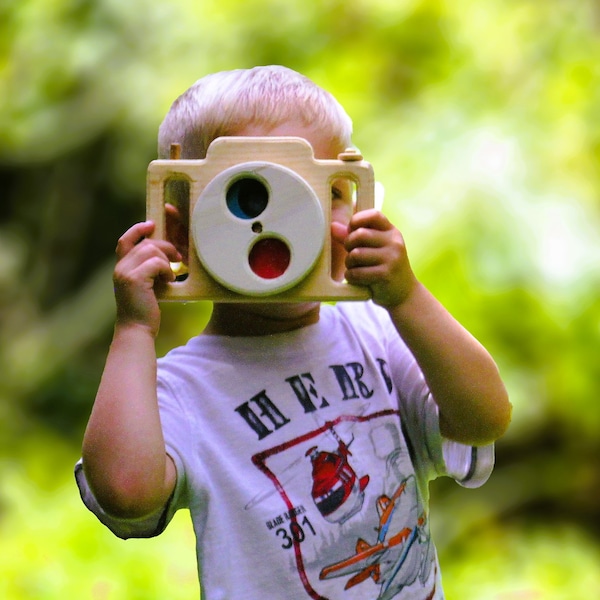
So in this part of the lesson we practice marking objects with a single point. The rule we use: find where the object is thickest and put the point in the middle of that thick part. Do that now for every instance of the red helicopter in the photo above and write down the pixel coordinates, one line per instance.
(337, 491)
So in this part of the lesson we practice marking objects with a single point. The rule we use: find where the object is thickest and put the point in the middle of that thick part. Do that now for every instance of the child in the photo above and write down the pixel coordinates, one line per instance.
(301, 436)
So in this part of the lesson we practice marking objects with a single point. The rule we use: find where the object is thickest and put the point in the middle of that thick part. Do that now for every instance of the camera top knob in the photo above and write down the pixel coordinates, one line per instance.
(350, 155)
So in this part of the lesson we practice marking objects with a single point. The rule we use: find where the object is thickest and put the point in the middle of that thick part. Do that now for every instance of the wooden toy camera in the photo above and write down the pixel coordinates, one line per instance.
(258, 219)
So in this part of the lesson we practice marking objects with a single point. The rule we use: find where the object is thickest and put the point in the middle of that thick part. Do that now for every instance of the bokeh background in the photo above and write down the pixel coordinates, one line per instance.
(482, 121)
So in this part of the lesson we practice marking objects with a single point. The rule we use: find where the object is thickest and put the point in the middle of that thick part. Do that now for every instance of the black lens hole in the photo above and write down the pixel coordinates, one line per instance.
(247, 198)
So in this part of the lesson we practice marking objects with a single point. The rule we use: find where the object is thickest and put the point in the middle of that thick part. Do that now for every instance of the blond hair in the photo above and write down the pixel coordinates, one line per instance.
(223, 103)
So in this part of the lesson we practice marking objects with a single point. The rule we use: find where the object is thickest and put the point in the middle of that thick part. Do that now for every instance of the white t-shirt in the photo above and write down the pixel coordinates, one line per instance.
(304, 458)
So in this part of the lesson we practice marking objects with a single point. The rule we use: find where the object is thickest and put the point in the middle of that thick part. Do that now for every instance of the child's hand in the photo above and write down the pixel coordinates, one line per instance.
(377, 258)
(141, 262)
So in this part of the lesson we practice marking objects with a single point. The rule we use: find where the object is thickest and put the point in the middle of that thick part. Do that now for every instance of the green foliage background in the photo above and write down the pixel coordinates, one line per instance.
(482, 121)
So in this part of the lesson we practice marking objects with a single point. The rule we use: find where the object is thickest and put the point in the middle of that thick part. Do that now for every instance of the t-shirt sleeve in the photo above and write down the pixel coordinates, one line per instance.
(470, 466)
(153, 524)
(434, 455)
(145, 527)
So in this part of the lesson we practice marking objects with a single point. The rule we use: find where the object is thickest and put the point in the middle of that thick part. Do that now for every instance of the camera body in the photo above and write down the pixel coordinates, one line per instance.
(258, 229)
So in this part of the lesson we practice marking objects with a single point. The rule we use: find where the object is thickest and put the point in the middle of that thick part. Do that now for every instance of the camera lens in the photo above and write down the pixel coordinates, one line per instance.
(269, 258)
(247, 198)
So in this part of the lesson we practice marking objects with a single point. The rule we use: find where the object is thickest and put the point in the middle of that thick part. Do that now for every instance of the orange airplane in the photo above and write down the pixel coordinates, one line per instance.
(383, 560)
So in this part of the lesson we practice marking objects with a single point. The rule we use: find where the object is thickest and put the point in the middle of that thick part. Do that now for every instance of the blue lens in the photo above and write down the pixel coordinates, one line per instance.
(247, 198)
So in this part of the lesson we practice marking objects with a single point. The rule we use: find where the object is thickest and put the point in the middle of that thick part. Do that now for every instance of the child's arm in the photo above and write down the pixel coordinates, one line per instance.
(123, 453)
(461, 375)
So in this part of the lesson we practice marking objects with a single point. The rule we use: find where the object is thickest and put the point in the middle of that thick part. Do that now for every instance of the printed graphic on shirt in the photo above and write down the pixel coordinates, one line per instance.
(350, 533)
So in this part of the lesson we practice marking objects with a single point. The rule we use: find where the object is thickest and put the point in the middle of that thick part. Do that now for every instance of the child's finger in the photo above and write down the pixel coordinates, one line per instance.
(370, 219)
(141, 274)
(156, 268)
(364, 257)
(365, 238)
(149, 250)
(133, 236)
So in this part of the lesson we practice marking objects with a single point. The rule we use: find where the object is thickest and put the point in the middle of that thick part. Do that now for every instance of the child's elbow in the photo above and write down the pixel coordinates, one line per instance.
(480, 427)
(492, 420)
(504, 417)
(494, 427)
(123, 496)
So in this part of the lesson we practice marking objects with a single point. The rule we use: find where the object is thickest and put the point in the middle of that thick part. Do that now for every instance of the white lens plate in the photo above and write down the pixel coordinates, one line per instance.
(223, 241)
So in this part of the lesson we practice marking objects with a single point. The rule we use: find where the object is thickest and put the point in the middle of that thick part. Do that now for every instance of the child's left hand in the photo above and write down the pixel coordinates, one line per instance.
(377, 258)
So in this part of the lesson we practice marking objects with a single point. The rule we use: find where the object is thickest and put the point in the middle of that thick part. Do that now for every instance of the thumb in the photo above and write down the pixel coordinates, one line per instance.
(339, 232)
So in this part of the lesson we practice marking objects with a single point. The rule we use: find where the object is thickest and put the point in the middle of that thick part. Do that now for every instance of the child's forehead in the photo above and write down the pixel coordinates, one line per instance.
(323, 146)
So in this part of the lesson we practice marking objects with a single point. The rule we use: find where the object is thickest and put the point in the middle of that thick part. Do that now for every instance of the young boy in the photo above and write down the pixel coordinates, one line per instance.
(301, 436)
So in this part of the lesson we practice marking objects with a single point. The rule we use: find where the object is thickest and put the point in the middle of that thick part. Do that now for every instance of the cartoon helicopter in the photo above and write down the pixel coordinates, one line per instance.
(388, 562)
(337, 491)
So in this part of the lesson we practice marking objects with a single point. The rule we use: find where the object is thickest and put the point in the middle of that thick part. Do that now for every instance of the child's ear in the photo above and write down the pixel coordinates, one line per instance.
(177, 231)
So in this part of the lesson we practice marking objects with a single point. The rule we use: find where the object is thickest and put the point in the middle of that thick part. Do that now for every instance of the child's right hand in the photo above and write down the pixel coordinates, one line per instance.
(141, 262)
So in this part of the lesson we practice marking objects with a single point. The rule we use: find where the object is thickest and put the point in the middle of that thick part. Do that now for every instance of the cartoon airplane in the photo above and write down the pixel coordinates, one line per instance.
(384, 560)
